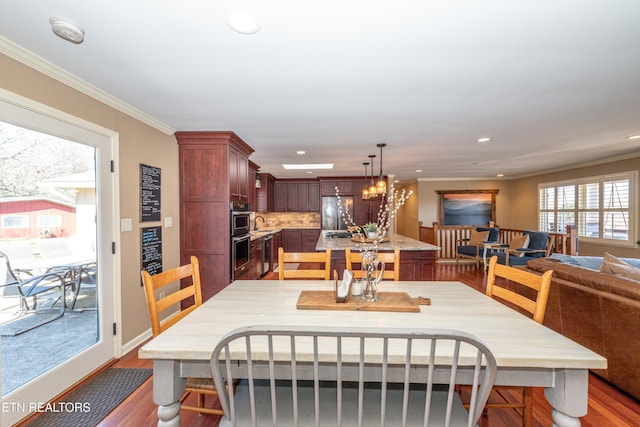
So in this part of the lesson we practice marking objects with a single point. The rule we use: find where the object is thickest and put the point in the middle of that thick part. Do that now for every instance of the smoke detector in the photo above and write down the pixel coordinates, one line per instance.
(67, 30)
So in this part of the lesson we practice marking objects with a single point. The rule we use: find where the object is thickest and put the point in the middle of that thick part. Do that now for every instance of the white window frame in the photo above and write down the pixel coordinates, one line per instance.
(552, 212)
(25, 220)
(49, 220)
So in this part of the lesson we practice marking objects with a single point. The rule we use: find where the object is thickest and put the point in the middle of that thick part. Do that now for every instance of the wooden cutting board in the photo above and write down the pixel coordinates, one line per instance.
(387, 301)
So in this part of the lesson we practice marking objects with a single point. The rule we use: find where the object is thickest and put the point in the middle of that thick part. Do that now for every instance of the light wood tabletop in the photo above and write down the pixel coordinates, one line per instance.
(527, 353)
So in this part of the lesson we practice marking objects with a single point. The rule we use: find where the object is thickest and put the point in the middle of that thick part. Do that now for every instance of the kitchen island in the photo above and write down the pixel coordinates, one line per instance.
(417, 259)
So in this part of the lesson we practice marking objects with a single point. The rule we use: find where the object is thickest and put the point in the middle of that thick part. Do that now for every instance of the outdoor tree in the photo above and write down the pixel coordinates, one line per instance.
(28, 157)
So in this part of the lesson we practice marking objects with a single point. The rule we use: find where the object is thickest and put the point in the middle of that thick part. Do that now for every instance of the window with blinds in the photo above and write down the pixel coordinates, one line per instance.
(600, 207)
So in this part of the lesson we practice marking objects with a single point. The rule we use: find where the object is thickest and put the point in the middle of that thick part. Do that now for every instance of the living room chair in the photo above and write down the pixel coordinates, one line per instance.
(188, 298)
(538, 246)
(474, 246)
(386, 257)
(330, 386)
(540, 285)
(312, 261)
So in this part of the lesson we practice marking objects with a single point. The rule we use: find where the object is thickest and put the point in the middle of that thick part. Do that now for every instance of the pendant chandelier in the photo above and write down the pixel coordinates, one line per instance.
(381, 185)
(373, 191)
(365, 190)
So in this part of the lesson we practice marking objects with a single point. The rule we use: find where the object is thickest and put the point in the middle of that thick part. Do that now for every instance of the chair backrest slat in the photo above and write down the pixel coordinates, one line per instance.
(323, 259)
(540, 284)
(190, 294)
(389, 258)
(326, 361)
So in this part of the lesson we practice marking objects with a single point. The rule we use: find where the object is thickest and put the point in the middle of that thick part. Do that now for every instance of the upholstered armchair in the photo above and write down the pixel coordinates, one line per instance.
(530, 245)
(473, 246)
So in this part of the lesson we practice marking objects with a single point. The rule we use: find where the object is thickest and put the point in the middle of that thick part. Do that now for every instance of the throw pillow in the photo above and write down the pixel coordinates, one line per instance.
(613, 265)
(476, 237)
(519, 241)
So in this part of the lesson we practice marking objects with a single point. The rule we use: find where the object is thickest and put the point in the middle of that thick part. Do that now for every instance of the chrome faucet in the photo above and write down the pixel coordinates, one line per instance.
(255, 221)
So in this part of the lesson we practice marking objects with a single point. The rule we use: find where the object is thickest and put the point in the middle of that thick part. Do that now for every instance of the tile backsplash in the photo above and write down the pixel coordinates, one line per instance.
(287, 220)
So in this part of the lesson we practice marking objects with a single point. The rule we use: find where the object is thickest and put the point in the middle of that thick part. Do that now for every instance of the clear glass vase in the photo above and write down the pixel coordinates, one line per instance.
(372, 270)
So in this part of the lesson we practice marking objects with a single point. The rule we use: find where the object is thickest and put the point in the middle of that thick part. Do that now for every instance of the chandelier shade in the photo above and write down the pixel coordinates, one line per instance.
(365, 190)
(381, 185)
(373, 191)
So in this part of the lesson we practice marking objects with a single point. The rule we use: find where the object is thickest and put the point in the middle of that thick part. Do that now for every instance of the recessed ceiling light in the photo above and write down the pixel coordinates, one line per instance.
(300, 152)
(484, 139)
(500, 175)
(242, 20)
(309, 171)
(308, 166)
(634, 137)
(66, 29)
(418, 170)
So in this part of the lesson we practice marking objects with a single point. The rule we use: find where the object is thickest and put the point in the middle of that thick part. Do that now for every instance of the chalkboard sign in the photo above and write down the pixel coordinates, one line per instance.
(149, 193)
(151, 238)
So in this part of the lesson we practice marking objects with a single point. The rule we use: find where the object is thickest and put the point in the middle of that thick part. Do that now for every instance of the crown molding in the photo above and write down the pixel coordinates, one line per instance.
(45, 67)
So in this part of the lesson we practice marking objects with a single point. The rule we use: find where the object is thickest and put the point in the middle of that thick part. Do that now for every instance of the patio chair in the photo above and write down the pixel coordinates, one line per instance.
(328, 382)
(30, 287)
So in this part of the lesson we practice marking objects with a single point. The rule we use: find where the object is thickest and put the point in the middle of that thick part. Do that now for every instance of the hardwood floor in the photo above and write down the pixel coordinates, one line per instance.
(608, 406)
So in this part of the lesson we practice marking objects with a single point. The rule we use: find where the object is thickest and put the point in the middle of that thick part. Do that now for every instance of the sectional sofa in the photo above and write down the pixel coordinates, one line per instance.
(598, 310)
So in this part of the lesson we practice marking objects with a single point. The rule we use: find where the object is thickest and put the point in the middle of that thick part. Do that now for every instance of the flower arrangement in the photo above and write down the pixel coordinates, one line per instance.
(389, 207)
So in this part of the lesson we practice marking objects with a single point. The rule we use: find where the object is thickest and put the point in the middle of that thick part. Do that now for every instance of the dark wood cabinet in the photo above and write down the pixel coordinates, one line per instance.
(252, 190)
(328, 188)
(292, 197)
(309, 239)
(300, 239)
(265, 195)
(280, 196)
(364, 211)
(238, 175)
(207, 176)
(295, 196)
(314, 197)
(256, 250)
(292, 240)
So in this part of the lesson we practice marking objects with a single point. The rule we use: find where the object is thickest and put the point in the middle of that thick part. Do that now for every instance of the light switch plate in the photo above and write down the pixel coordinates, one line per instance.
(168, 222)
(126, 224)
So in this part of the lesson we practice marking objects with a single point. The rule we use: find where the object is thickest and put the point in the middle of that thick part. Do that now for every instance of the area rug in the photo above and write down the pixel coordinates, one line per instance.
(93, 401)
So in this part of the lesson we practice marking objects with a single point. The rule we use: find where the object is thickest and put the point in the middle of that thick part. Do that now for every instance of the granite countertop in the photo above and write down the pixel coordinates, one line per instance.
(260, 233)
(403, 242)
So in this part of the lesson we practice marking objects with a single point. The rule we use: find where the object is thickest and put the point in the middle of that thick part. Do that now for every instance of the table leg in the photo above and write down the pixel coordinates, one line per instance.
(568, 397)
(168, 387)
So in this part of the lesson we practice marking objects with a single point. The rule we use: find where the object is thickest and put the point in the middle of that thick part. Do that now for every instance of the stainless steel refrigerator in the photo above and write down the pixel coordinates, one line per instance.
(331, 218)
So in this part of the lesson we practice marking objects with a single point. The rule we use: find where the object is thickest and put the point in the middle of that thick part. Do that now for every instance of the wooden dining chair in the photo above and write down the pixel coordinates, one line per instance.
(387, 257)
(309, 261)
(409, 379)
(538, 285)
(184, 299)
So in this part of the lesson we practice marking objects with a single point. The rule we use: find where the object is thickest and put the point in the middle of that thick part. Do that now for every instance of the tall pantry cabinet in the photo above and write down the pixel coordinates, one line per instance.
(214, 170)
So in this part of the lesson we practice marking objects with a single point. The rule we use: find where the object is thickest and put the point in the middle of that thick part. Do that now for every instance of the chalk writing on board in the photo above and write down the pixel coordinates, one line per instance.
(151, 249)
(149, 193)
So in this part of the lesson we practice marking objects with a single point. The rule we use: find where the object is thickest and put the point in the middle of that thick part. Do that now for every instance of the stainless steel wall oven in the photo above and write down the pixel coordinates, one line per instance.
(240, 255)
(240, 219)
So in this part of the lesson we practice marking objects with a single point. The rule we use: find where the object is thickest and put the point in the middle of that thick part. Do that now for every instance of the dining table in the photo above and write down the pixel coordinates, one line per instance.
(527, 353)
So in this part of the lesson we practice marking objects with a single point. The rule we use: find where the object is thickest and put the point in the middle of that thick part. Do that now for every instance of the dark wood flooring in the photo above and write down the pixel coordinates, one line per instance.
(608, 406)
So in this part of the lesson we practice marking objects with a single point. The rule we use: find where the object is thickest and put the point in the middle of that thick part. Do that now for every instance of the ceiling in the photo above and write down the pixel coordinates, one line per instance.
(552, 83)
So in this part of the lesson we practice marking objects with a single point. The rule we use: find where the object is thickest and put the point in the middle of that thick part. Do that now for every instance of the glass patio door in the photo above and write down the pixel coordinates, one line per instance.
(56, 216)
